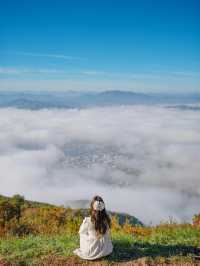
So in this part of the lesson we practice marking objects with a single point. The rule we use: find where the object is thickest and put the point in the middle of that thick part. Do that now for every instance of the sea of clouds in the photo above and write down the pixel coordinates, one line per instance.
(144, 160)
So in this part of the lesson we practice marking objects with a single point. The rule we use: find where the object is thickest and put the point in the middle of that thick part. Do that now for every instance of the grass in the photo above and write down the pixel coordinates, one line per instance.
(31, 248)
(169, 242)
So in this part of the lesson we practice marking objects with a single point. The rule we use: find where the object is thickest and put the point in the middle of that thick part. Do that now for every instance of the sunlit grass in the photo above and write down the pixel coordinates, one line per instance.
(163, 242)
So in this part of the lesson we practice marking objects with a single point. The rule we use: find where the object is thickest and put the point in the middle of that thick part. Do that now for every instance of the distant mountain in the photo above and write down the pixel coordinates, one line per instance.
(125, 95)
(120, 98)
(39, 100)
(33, 100)
(185, 107)
(84, 205)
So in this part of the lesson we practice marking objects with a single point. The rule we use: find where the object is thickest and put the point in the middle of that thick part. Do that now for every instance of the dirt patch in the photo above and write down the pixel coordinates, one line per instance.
(70, 261)
(3, 263)
(150, 262)
(73, 261)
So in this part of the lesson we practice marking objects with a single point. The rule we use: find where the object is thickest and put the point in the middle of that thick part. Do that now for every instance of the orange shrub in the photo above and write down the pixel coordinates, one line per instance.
(115, 226)
(196, 220)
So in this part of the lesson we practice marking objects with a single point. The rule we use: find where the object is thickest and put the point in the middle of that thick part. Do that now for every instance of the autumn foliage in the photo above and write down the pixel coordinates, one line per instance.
(19, 217)
(196, 220)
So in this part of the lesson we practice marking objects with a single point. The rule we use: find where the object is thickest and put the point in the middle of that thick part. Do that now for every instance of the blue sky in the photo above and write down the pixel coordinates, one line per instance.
(146, 45)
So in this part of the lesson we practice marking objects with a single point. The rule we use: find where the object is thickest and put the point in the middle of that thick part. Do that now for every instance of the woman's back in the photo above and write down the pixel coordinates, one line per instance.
(94, 244)
(89, 226)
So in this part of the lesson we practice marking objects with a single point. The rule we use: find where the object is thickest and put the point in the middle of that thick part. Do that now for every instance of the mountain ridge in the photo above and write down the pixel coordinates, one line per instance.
(41, 100)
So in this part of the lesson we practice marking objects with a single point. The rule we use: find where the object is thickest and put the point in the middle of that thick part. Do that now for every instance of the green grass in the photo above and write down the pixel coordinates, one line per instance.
(168, 243)
(162, 243)
(31, 247)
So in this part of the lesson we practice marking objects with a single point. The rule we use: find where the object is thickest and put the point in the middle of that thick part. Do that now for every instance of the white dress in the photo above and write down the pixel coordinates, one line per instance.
(92, 246)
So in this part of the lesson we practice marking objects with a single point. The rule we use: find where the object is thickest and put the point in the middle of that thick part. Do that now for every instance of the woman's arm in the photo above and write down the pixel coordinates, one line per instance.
(84, 227)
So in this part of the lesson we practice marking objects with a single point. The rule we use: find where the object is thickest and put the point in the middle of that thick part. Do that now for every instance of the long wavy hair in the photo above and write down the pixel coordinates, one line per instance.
(100, 219)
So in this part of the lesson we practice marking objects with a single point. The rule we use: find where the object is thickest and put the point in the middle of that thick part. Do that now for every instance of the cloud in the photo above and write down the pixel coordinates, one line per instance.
(55, 56)
(179, 74)
(10, 71)
(95, 72)
(20, 71)
(143, 75)
(143, 160)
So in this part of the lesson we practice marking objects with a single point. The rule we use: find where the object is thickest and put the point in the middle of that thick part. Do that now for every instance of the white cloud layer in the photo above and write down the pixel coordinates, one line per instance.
(143, 160)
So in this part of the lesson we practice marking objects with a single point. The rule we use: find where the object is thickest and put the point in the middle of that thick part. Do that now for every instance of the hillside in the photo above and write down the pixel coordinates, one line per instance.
(34, 206)
(34, 233)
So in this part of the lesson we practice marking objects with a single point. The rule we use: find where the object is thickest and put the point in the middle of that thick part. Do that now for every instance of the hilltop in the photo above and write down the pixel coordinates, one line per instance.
(28, 206)
(35, 233)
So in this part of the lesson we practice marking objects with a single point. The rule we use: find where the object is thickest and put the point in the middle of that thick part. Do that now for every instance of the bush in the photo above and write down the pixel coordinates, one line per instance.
(196, 220)
(22, 230)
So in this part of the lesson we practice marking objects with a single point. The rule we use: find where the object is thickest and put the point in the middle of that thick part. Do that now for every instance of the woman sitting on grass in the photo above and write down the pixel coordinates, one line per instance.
(94, 233)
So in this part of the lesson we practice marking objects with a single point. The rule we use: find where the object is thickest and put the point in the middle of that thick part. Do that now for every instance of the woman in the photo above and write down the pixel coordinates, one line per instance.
(94, 232)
